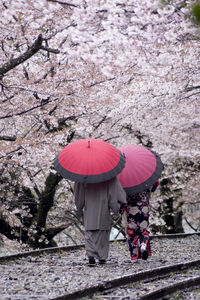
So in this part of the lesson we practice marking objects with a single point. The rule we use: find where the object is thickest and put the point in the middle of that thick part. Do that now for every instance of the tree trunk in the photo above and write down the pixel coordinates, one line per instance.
(46, 201)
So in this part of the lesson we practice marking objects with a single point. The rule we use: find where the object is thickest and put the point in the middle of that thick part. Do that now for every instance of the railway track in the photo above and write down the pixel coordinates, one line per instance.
(62, 273)
(148, 285)
(81, 246)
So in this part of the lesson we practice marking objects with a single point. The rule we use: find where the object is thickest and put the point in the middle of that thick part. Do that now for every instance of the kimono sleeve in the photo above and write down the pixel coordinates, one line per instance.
(117, 196)
(79, 198)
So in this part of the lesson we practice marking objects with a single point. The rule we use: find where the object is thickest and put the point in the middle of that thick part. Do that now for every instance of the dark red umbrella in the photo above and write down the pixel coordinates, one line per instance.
(89, 160)
(143, 168)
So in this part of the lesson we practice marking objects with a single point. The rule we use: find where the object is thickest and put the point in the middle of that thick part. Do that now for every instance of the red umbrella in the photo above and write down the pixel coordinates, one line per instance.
(89, 160)
(142, 170)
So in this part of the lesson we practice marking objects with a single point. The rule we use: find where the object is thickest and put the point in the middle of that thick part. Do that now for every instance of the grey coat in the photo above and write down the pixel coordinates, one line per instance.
(95, 200)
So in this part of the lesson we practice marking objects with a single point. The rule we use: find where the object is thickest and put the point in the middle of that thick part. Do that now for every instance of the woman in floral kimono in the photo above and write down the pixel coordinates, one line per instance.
(135, 218)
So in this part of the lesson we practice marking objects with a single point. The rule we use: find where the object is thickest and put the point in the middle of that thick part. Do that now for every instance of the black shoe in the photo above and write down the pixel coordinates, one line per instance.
(102, 261)
(145, 255)
(144, 251)
(92, 262)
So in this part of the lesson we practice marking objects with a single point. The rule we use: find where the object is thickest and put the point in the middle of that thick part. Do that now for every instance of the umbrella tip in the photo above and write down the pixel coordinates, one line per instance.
(88, 144)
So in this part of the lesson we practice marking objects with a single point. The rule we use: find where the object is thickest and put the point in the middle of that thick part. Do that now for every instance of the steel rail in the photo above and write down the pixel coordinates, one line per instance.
(79, 246)
(172, 288)
(136, 277)
(39, 252)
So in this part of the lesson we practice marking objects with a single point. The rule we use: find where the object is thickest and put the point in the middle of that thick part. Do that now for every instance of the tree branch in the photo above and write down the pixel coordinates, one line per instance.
(100, 122)
(63, 3)
(44, 102)
(56, 51)
(8, 153)
(36, 46)
(190, 88)
(8, 138)
(99, 82)
(51, 232)
(189, 224)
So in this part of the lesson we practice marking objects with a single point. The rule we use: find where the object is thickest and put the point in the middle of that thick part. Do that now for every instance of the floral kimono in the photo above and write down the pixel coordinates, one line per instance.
(135, 219)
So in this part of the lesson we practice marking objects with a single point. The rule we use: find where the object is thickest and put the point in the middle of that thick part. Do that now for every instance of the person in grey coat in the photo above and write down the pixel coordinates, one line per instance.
(95, 201)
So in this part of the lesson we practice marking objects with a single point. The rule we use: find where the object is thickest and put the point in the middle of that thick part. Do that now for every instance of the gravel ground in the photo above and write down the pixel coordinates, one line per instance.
(51, 275)
(188, 294)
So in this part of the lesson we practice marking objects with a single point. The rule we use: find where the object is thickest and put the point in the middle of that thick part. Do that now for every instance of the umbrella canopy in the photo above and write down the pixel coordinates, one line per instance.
(89, 161)
(142, 170)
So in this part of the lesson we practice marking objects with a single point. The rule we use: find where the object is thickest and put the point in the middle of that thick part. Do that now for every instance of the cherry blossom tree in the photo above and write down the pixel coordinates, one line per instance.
(122, 71)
